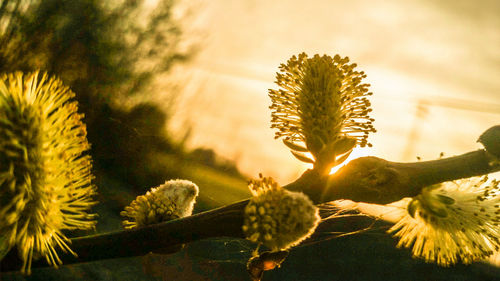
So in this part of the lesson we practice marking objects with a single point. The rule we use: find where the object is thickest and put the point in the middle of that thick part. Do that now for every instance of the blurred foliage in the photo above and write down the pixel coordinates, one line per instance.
(109, 52)
(98, 48)
(209, 158)
(106, 51)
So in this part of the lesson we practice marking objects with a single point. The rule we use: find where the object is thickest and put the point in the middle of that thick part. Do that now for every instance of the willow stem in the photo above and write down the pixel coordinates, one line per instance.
(366, 179)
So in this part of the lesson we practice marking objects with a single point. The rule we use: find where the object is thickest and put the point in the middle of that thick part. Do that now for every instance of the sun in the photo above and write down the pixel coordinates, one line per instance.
(356, 153)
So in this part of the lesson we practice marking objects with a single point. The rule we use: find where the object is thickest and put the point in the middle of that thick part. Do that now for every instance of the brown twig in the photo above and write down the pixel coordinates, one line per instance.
(375, 180)
(367, 179)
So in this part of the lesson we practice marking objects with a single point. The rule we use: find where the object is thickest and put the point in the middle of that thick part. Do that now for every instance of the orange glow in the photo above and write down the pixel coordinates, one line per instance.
(431, 66)
(433, 55)
(356, 153)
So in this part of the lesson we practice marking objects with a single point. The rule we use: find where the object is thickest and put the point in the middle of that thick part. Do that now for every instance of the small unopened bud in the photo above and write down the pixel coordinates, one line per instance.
(172, 200)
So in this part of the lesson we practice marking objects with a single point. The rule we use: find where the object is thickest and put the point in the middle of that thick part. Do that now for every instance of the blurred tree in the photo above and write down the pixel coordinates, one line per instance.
(106, 51)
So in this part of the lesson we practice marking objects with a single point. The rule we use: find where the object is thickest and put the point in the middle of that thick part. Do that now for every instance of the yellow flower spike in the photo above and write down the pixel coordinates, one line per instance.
(453, 222)
(321, 108)
(172, 200)
(45, 176)
(276, 217)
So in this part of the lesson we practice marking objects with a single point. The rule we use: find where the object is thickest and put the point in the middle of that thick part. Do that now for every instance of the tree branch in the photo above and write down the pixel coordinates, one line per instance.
(367, 179)
(375, 180)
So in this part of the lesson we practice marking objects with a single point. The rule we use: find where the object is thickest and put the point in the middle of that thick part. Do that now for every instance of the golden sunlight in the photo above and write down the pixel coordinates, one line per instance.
(412, 61)
(356, 153)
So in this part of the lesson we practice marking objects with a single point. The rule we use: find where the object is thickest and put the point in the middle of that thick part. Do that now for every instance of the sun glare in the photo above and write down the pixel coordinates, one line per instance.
(356, 153)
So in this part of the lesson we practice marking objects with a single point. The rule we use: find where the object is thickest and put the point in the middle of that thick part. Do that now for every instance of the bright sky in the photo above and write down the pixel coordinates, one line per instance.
(433, 66)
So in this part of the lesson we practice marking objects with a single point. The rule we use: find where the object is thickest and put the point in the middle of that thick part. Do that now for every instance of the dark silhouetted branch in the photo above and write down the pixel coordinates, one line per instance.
(367, 179)
(375, 180)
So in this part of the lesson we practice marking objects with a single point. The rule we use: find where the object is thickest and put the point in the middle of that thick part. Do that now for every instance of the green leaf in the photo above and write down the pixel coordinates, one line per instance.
(445, 199)
(294, 146)
(342, 158)
(302, 157)
(344, 144)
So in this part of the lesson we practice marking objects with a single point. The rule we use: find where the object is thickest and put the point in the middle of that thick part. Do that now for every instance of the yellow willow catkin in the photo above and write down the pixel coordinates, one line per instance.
(278, 218)
(321, 107)
(452, 222)
(45, 175)
(172, 200)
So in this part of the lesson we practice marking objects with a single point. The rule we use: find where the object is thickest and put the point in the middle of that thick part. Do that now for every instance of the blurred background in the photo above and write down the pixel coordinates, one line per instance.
(178, 89)
(433, 67)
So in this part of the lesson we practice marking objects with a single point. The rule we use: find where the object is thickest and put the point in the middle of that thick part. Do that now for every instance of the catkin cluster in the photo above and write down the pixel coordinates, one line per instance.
(45, 175)
(172, 200)
(321, 107)
(452, 222)
(278, 218)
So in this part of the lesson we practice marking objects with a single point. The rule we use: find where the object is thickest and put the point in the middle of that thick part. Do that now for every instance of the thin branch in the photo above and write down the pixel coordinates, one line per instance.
(375, 180)
(367, 179)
